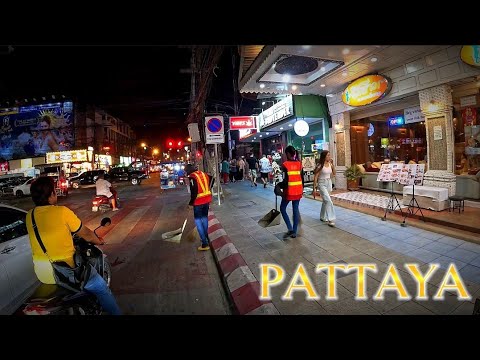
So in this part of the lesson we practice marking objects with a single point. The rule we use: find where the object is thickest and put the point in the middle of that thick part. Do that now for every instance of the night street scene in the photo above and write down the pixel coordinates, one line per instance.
(240, 180)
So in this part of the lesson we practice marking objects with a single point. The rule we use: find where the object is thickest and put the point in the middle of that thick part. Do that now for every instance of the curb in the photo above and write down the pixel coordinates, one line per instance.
(243, 287)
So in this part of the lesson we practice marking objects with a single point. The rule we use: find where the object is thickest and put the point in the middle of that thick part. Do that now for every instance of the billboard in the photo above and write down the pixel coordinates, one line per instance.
(34, 130)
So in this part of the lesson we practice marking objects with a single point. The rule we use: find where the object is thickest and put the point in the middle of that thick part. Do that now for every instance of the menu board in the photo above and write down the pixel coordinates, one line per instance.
(405, 174)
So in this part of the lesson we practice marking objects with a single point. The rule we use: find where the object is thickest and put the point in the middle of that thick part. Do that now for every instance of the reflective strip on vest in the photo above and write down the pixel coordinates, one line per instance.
(293, 183)
(293, 172)
(202, 182)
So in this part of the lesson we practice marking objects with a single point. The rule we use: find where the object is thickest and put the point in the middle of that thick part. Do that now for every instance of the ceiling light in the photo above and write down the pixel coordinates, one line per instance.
(286, 77)
(281, 128)
(330, 95)
(290, 125)
(306, 47)
(345, 51)
(294, 87)
(261, 135)
(322, 68)
(344, 73)
(254, 138)
(373, 59)
(262, 86)
(322, 85)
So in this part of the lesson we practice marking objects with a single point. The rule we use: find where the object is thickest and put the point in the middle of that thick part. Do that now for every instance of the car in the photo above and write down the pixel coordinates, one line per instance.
(125, 173)
(23, 189)
(85, 178)
(17, 277)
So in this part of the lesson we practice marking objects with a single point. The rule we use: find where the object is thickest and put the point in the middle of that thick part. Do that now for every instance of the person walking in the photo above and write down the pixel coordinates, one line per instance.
(252, 168)
(292, 188)
(322, 179)
(264, 169)
(241, 168)
(200, 198)
(233, 170)
(225, 171)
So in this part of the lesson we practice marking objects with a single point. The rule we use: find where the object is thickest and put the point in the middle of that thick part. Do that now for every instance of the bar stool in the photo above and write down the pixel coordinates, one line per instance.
(456, 202)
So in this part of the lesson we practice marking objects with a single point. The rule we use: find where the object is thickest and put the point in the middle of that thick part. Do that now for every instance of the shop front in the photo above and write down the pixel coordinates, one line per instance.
(72, 162)
(103, 162)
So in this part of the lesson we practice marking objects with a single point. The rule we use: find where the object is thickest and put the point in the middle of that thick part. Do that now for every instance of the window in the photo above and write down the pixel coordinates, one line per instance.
(385, 136)
(466, 129)
(12, 224)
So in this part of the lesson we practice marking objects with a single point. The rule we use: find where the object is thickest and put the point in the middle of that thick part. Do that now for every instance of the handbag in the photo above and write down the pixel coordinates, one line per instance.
(278, 190)
(64, 275)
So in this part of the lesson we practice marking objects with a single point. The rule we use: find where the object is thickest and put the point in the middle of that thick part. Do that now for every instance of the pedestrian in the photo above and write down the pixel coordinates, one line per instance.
(322, 179)
(253, 167)
(241, 168)
(200, 199)
(264, 169)
(225, 171)
(233, 170)
(292, 188)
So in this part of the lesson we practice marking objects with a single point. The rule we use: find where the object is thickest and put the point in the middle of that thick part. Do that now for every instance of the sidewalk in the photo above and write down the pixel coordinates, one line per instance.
(359, 238)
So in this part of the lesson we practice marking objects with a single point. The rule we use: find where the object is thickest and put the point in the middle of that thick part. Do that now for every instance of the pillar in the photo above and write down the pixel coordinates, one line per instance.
(340, 147)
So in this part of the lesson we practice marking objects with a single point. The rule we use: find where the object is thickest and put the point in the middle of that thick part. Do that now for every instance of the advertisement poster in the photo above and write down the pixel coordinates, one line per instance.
(469, 116)
(31, 131)
(472, 140)
(4, 166)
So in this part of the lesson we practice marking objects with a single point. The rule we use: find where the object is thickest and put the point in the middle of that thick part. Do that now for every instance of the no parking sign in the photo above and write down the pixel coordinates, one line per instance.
(214, 131)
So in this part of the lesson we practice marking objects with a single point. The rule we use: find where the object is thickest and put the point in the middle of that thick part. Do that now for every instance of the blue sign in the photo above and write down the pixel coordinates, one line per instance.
(214, 125)
(34, 130)
(396, 120)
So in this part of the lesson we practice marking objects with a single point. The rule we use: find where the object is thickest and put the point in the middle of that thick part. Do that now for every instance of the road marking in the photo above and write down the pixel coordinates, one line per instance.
(121, 231)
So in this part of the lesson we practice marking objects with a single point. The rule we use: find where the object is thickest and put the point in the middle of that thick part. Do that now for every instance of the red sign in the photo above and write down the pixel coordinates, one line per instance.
(243, 122)
(4, 166)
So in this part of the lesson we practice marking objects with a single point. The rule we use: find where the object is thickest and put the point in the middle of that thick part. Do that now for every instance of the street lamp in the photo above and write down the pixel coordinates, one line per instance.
(155, 151)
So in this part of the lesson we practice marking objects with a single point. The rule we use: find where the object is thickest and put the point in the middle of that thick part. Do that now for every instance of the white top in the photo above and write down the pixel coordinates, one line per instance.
(264, 165)
(103, 187)
(326, 172)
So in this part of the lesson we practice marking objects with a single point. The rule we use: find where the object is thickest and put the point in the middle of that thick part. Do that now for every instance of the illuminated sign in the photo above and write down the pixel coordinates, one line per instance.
(396, 120)
(278, 112)
(66, 156)
(384, 143)
(470, 54)
(246, 133)
(366, 90)
(243, 122)
(301, 128)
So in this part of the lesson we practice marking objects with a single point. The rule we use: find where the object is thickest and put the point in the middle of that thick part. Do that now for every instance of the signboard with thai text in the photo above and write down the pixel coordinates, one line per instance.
(366, 90)
(281, 110)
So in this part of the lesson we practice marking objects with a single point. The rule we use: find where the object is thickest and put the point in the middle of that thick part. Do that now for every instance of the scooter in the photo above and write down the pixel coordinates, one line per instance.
(57, 300)
(102, 203)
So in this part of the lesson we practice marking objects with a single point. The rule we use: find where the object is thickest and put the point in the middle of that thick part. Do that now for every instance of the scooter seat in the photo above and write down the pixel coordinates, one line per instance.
(48, 291)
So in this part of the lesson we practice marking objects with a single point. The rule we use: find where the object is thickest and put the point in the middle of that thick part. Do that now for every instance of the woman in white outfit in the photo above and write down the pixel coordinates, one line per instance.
(322, 179)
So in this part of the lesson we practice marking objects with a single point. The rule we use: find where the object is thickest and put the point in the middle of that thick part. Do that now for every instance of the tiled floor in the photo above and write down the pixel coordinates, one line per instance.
(358, 237)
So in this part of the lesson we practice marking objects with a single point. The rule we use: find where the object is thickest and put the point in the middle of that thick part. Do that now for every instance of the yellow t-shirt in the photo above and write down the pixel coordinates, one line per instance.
(55, 224)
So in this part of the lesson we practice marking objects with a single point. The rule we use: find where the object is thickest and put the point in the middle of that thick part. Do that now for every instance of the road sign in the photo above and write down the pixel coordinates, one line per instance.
(214, 131)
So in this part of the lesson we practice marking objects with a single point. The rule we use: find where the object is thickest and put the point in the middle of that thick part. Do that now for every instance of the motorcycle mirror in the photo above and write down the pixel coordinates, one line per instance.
(106, 222)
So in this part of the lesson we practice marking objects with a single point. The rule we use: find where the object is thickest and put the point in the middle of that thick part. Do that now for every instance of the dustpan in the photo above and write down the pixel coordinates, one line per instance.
(273, 217)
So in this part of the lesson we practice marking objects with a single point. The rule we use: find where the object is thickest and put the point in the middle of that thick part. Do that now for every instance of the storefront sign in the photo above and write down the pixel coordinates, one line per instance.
(470, 54)
(468, 101)
(301, 128)
(104, 159)
(366, 90)
(246, 133)
(66, 156)
(384, 143)
(437, 133)
(396, 120)
(413, 115)
(278, 112)
(243, 122)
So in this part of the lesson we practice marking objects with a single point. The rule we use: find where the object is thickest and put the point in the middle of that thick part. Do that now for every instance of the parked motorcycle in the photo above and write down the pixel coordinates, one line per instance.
(102, 203)
(57, 300)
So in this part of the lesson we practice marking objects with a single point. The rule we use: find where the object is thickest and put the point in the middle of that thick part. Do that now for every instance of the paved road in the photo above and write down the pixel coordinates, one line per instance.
(151, 275)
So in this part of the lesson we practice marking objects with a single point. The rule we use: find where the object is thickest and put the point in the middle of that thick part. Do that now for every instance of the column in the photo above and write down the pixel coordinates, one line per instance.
(436, 104)
(340, 147)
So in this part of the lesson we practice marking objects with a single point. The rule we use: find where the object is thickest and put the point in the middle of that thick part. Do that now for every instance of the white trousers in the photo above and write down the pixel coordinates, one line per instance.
(327, 213)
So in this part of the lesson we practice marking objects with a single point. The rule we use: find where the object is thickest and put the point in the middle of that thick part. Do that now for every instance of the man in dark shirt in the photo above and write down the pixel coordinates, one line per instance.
(253, 167)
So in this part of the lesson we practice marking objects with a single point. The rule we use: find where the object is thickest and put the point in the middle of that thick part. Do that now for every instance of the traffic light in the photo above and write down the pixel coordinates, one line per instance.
(179, 144)
(169, 143)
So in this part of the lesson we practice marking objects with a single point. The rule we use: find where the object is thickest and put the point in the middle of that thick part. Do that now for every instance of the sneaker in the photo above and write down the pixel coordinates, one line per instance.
(331, 223)
(323, 220)
(264, 186)
(255, 184)
(116, 209)
(203, 248)
(293, 235)
(287, 234)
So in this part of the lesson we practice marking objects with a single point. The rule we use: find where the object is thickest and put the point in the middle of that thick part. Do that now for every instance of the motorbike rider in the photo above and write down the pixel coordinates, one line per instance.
(56, 225)
(105, 188)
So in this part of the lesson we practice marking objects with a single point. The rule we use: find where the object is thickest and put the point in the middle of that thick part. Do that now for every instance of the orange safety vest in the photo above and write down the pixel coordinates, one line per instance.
(295, 186)
(204, 195)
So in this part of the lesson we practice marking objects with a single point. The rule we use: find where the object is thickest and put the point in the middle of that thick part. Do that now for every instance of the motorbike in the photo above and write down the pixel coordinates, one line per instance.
(102, 203)
(57, 300)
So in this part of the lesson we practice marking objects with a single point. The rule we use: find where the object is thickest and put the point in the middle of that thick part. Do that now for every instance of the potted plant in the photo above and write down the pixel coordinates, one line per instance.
(353, 175)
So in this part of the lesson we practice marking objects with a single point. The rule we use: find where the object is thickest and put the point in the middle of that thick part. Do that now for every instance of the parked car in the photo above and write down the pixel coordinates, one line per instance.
(125, 173)
(85, 178)
(17, 277)
(23, 189)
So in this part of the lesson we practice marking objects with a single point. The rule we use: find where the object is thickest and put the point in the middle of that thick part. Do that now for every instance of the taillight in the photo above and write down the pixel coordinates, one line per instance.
(64, 184)
(95, 203)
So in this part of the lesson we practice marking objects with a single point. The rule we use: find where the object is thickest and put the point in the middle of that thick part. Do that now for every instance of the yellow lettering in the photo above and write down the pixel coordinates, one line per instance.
(301, 282)
(421, 279)
(457, 285)
(397, 285)
(361, 284)
(332, 283)
(266, 282)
